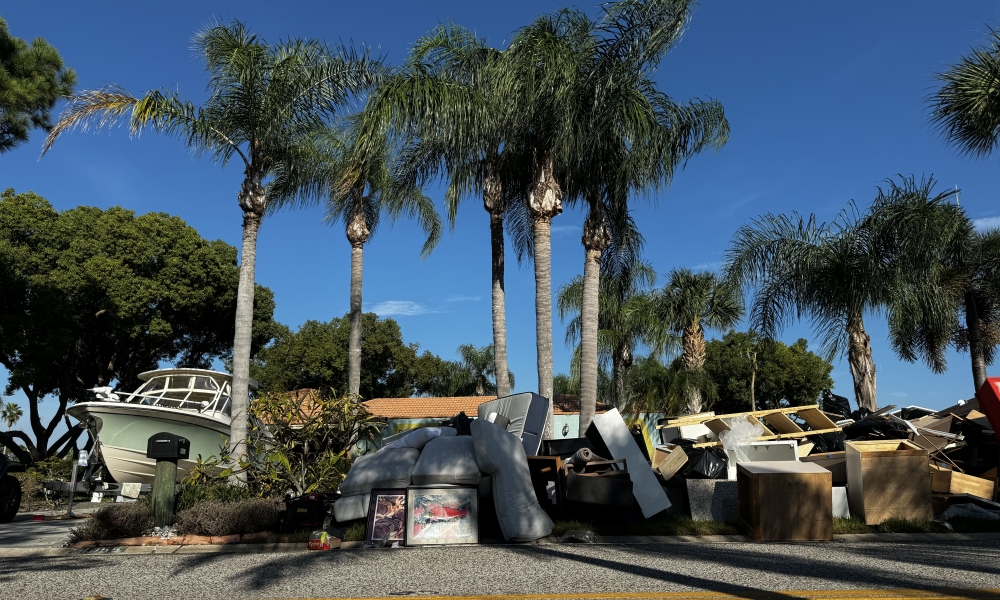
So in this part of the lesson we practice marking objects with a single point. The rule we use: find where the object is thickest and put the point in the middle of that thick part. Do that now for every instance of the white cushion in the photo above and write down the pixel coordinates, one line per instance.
(388, 469)
(418, 438)
(501, 455)
(447, 460)
(349, 508)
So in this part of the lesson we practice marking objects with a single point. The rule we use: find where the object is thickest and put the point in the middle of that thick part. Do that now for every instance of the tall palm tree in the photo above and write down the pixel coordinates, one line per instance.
(356, 181)
(447, 102)
(263, 99)
(10, 414)
(632, 138)
(628, 316)
(689, 303)
(480, 364)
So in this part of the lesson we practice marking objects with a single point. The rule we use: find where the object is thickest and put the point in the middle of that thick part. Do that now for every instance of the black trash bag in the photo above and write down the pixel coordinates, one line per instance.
(838, 405)
(876, 428)
(705, 463)
(828, 442)
(461, 422)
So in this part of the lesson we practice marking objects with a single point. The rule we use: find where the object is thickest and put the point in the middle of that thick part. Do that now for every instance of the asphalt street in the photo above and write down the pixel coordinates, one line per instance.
(741, 569)
(23, 532)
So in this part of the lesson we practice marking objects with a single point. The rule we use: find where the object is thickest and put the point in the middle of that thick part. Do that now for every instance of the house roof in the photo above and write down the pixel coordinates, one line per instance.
(442, 408)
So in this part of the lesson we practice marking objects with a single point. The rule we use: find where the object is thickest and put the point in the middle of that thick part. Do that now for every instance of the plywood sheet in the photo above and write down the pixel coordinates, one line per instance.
(816, 419)
(946, 481)
(781, 423)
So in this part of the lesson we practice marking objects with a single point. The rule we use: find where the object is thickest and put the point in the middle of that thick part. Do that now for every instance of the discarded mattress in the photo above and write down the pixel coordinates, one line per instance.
(500, 455)
(447, 460)
(385, 469)
(526, 414)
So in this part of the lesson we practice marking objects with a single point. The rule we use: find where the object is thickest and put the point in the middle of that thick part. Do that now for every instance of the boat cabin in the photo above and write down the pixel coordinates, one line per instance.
(190, 389)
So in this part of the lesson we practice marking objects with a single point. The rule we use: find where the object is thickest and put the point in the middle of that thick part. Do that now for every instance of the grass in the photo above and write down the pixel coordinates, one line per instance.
(662, 524)
(896, 525)
(355, 533)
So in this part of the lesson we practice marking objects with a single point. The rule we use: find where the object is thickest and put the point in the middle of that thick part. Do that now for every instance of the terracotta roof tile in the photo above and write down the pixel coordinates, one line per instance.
(442, 408)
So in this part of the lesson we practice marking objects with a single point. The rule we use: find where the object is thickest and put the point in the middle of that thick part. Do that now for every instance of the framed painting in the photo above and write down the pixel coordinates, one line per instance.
(387, 517)
(442, 515)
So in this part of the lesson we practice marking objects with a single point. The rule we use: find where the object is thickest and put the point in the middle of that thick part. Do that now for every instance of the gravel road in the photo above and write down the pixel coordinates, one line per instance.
(737, 568)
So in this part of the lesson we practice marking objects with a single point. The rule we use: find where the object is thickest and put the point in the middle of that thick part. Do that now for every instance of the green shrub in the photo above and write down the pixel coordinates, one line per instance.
(897, 525)
(355, 533)
(854, 524)
(193, 493)
(52, 467)
(123, 520)
(215, 517)
(31, 487)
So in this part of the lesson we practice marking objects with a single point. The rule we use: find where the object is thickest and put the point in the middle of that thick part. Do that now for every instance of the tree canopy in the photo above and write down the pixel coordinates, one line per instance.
(32, 78)
(786, 375)
(93, 297)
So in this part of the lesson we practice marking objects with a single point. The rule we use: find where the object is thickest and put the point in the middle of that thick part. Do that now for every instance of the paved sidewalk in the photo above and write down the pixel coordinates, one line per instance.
(25, 533)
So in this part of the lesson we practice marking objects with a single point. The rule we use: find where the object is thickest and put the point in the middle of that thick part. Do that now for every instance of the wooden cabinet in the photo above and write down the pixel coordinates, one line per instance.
(888, 478)
(946, 481)
(785, 500)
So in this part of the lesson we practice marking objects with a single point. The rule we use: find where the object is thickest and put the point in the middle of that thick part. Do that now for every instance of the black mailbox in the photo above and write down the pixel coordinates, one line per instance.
(168, 446)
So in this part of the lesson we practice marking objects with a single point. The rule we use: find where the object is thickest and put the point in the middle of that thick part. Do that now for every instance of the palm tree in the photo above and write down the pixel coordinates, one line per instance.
(946, 270)
(628, 317)
(689, 303)
(11, 413)
(966, 108)
(356, 180)
(447, 102)
(263, 99)
(632, 138)
(479, 363)
(834, 273)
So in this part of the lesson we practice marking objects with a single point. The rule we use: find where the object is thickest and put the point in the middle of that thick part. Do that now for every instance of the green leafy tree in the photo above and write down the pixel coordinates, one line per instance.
(316, 357)
(689, 303)
(94, 297)
(32, 79)
(783, 376)
(264, 101)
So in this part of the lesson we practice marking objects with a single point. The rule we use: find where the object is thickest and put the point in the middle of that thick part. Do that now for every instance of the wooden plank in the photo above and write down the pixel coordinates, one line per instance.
(701, 418)
(815, 418)
(668, 460)
(781, 423)
(717, 426)
(946, 481)
(805, 448)
(784, 436)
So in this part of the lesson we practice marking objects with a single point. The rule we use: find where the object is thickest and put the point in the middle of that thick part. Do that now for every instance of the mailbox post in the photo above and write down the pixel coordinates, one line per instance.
(166, 448)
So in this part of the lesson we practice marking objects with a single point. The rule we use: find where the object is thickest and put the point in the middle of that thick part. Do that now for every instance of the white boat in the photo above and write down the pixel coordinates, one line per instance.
(192, 403)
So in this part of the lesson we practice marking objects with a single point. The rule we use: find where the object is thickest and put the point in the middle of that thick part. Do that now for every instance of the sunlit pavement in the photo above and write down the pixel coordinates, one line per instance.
(675, 570)
(25, 532)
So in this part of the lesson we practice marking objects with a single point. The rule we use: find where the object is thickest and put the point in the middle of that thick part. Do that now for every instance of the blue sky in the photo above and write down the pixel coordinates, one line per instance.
(825, 101)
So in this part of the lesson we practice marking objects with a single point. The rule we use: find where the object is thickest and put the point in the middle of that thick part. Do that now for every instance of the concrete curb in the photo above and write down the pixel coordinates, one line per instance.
(259, 548)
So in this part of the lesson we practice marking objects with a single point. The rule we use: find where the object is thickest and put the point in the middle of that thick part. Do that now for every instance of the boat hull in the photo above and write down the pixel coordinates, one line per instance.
(124, 429)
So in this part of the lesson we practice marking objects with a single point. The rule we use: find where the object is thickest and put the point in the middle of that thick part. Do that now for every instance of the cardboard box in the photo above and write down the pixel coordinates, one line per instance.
(946, 481)
(785, 500)
(834, 462)
(668, 460)
(888, 478)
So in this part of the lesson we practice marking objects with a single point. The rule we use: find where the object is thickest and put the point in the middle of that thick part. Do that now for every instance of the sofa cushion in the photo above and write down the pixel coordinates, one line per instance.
(447, 460)
(418, 438)
(349, 508)
(385, 469)
(501, 455)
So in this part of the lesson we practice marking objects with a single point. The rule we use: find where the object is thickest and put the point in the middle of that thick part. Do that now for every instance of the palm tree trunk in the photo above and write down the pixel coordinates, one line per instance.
(859, 355)
(357, 235)
(595, 239)
(975, 329)
(499, 306)
(545, 203)
(252, 201)
(692, 359)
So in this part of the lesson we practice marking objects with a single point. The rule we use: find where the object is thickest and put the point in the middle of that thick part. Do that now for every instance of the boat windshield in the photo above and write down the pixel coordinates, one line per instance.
(186, 391)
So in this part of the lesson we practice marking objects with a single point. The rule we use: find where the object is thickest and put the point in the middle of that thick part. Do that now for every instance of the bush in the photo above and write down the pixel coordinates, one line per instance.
(52, 467)
(355, 533)
(193, 493)
(31, 487)
(215, 517)
(124, 520)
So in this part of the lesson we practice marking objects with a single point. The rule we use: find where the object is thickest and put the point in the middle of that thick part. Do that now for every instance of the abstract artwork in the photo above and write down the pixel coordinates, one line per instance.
(387, 516)
(442, 515)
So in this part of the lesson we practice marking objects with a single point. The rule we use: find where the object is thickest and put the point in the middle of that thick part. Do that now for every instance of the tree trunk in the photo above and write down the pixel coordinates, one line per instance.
(976, 350)
(595, 240)
(859, 355)
(694, 401)
(252, 201)
(357, 234)
(622, 362)
(545, 202)
(693, 359)
(494, 206)
(753, 382)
